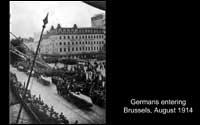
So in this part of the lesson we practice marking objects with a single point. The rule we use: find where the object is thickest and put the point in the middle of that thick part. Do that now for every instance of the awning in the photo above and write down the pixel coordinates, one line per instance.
(98, 4)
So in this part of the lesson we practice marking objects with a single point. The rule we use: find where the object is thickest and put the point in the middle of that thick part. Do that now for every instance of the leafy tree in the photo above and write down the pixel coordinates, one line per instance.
(18, 43)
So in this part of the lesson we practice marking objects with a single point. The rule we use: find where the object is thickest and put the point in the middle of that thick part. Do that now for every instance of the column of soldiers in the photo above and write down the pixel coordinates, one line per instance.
(36, 103)
(87, 79)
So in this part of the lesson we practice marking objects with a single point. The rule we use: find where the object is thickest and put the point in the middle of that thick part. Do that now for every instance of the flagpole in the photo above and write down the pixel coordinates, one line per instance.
(43, 27)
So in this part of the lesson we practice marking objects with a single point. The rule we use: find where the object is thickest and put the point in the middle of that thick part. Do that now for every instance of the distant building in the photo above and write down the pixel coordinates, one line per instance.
(98, 21)
(73, 42)
(31, 45)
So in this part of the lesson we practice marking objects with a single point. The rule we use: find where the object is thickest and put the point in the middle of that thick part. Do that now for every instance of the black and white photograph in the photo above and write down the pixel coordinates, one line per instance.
(62, 53)
(57, 62)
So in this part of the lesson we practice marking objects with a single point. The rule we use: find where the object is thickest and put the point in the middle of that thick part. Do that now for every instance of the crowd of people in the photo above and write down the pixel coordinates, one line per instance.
(87, 79)
(43, 111)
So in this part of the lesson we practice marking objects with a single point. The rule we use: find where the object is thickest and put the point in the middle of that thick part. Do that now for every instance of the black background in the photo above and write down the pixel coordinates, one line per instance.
(152, 53)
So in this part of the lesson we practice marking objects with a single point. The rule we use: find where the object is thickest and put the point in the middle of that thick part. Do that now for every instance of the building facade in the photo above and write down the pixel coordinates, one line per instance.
(67, 42)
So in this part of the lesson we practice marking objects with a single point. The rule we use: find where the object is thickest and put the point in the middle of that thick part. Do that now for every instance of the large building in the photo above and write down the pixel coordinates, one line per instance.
(73, 42)
(99, 21)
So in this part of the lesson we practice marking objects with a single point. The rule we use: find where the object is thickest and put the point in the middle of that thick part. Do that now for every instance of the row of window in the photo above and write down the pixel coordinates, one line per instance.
(83, 37)
(82, 42)
(81, 49)
(72, 30)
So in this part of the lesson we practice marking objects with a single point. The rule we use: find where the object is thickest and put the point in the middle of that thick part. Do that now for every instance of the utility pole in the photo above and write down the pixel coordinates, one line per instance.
(43, 27)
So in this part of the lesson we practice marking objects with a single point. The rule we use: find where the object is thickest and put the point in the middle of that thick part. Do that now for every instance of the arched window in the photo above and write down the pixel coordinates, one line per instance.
(64, 37)
(68, 37)
(60, 37)
(60, 43)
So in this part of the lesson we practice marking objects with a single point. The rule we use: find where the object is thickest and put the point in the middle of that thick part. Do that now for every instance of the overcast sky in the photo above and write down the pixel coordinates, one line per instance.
(27, 16)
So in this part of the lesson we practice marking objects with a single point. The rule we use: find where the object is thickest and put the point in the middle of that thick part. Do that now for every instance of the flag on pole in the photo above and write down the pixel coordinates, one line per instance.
(46, 19)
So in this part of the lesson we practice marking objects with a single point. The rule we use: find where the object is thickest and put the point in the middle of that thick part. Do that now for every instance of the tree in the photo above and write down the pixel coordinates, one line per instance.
(18, 44)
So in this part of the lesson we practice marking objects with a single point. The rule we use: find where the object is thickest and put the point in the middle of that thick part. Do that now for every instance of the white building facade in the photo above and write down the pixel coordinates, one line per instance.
(73, 41)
